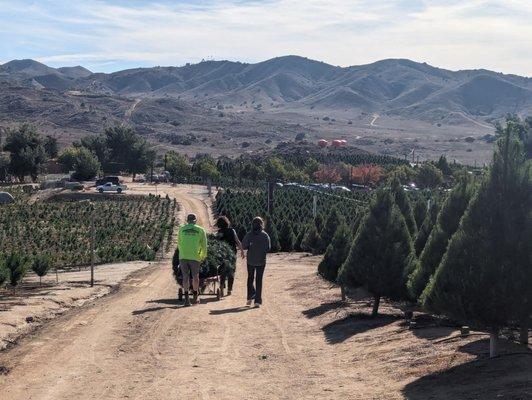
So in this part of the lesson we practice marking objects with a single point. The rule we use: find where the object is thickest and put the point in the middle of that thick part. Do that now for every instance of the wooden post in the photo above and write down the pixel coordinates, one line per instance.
(494, 343)
(93, 237)
(523, 332)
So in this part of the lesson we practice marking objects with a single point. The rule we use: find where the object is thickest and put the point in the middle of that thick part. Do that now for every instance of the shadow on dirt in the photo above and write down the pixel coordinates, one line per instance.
(153, 309)
(229, 310)
(340, 330)
(324, 308)
(164, 301)
(507, 377)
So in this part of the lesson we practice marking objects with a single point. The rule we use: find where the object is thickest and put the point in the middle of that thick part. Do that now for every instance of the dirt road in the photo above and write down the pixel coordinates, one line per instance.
(138, 343)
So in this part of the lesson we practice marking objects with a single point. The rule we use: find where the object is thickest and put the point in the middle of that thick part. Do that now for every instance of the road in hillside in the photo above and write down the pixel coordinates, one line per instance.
(140, 344)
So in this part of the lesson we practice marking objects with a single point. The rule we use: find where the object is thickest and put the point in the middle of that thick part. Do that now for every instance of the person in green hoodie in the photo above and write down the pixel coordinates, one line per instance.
(192, 245)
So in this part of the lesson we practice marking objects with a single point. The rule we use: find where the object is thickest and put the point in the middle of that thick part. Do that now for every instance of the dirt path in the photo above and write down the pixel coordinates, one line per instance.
(140, 344)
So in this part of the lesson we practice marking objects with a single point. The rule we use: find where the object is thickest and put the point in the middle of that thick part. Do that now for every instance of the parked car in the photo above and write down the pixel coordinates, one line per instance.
(111, 187)
(115, 180)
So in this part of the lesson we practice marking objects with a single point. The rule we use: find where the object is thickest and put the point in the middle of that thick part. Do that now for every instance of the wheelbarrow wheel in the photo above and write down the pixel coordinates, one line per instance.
(180, 294)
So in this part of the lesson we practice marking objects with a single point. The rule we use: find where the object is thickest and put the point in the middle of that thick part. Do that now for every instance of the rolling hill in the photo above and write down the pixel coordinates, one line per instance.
(390, 87)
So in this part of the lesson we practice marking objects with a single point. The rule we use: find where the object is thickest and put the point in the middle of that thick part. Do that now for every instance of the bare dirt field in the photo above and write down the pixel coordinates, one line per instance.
(139, 343)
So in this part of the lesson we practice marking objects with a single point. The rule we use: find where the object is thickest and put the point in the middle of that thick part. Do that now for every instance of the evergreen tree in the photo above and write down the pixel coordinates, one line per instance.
(382, 253)
(271, 229)
(420, 210)
(299, 238)
(3, 271)
(446, 225)
(286, 237)
(16, 266)
(318, 221)
(485, 278)
(443, 166)
(41, 265)
(426, 228)
(311, 240)
(336, 253)
(332, 223)
(402, 201)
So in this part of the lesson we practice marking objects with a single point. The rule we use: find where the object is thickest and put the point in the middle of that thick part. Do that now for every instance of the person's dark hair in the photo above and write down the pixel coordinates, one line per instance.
(257, 224)
(223, 222)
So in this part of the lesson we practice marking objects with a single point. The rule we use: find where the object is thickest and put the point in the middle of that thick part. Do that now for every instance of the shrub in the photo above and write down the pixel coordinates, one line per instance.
(336, 253)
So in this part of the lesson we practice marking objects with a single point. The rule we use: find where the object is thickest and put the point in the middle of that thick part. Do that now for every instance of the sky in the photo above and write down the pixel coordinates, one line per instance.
(111, 35)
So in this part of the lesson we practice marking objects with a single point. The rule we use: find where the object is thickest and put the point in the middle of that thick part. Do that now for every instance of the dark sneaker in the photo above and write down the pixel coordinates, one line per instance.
(229, 292)
(187, 300)
(195, 297)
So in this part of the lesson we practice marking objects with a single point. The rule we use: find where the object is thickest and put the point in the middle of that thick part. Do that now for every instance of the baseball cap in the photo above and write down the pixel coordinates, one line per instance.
(191, 218)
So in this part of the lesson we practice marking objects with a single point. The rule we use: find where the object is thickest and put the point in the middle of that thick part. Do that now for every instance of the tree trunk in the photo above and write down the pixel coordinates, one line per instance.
(376, 302)
(342, 290)
(523, 332)
(494, 343)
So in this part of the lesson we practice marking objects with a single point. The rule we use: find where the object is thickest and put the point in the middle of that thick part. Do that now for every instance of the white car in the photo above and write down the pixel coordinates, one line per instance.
(110, 187)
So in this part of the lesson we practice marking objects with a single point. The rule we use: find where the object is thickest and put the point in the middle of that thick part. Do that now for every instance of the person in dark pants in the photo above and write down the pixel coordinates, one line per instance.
(228, 235)
(257, 243)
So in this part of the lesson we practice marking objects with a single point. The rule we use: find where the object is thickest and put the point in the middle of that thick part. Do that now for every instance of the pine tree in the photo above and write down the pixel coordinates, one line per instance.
(16, 266)
(41, 265)
(318, 221)
(382, 253)
(426, 228)
(271, 229)
(336, 253)
(420, 210)
(3, 271)
(311, 240)
(334, 219)
(485, 278)
(286, 237)
(446, 225)
(299, 238)
(402, 201)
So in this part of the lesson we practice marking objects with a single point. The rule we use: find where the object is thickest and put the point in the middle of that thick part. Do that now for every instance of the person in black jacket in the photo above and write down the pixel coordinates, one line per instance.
(257, 243)
(228, 235)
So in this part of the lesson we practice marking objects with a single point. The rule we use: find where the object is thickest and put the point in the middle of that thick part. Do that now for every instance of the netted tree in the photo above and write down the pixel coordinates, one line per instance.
(485, 278)
(336, 253)
(446, 225)
(382, 253)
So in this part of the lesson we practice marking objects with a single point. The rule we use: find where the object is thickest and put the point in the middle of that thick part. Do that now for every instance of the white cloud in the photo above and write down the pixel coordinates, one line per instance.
(451, 34)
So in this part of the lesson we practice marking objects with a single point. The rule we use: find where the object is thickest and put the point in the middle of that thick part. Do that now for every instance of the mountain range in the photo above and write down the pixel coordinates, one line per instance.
(392, 87)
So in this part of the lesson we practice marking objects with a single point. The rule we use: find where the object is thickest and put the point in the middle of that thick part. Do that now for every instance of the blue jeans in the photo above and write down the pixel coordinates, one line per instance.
(255, 292)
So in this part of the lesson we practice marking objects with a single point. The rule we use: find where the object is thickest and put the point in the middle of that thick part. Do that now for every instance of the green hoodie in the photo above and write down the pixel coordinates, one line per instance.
(192, 243)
